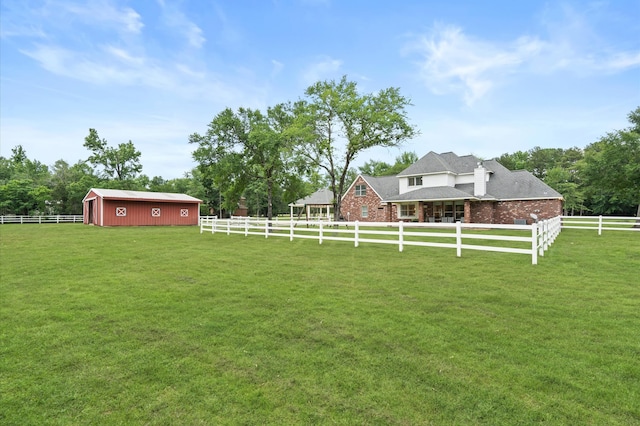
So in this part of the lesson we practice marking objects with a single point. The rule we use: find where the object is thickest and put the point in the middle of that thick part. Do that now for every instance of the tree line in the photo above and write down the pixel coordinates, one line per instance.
(286, 152)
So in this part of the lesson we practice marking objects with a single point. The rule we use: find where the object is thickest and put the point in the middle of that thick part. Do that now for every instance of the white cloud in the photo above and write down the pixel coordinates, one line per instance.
(176, 19)
(324, 68)
(453, 62)
(277, 67)
(101, 11)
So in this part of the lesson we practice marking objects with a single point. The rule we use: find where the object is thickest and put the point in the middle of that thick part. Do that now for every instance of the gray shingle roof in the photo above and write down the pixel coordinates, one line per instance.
(433, 194)
(445, 162)
(503, 183)
(321, 197)
(385, 186)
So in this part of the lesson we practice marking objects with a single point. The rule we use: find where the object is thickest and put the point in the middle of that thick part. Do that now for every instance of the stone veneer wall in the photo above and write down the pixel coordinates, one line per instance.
(351, 208)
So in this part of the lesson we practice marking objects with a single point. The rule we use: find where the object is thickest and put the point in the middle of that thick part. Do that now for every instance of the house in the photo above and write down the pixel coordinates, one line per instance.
(448, 188)
(115, 207)
(319, 204)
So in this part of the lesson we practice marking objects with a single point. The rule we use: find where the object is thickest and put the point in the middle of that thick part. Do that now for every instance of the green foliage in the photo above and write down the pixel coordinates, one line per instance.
(25, 184)
(240, 149)
(23, 197)
(336, 124)
(612, 170)
(380, 168)
(121, 163)
(216, 329)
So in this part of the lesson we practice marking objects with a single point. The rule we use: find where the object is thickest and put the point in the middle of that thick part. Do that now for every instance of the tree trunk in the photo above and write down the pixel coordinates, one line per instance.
(637, 225)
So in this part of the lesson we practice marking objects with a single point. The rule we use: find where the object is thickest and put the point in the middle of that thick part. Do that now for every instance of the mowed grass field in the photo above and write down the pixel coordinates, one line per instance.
(163, 326)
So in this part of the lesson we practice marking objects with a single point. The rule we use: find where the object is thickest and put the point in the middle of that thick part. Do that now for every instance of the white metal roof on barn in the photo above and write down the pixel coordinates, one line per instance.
(121, 194)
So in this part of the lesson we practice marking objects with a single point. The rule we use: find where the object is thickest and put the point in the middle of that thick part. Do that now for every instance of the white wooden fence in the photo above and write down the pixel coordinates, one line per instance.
(601, 223)
(61, 218)
(532, 240)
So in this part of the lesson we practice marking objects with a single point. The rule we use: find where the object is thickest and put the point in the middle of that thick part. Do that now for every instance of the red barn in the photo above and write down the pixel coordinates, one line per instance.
(115, 207)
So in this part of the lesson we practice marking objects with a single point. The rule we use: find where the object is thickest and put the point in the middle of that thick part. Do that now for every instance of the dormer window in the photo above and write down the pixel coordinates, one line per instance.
(415, 181)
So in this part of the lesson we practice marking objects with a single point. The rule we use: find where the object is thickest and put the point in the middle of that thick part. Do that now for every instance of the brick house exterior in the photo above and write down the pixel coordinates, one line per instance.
(448, 188)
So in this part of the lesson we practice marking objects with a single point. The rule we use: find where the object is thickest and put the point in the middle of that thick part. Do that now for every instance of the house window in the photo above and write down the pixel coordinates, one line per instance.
(184, 212)
(361, 190)
(460, 211)
(121, 211)
(415, 181)
(365, 211)
(448, 209)
(155, 212)
(407, 210)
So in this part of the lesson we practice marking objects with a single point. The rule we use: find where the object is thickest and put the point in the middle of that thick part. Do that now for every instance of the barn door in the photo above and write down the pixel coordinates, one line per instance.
(90, 213)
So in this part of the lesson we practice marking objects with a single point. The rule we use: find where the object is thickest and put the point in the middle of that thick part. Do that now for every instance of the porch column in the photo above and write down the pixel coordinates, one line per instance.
(467, 211)
(420, 211)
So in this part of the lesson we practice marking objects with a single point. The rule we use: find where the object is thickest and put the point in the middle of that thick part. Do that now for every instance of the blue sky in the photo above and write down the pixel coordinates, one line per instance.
(484, 77)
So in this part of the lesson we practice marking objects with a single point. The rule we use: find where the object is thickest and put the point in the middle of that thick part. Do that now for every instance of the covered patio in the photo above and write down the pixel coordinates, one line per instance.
(318, 205)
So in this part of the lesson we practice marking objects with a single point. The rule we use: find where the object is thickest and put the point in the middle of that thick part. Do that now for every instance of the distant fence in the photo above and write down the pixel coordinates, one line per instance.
(602, 223)
(60, 218)
(532, 240)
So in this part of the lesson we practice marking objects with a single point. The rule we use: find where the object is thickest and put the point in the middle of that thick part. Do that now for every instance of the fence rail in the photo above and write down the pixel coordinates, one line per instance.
(532, 240)
(60, 218)
(602, 223)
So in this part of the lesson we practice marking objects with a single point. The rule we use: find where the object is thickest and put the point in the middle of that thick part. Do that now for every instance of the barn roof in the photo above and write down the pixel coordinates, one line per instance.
(122, 194)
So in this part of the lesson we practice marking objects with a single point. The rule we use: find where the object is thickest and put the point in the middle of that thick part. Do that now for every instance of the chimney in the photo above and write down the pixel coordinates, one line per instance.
(479, 180)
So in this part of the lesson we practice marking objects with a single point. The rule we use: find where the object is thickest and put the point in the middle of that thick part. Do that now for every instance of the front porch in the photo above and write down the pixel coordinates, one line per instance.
(448, 211)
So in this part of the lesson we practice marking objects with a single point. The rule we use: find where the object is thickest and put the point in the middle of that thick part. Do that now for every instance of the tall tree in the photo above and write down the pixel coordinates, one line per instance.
(121, 163)
(24, 188)
(612, 170)
(243, 147)
(338, 123)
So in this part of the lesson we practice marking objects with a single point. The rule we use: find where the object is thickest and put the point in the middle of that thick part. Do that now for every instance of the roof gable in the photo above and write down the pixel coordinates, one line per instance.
(430, 163)
(384, 186)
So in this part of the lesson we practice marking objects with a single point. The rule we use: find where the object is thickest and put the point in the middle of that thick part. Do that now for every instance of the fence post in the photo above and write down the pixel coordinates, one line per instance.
(540, 238)
(320, 233)
(228, 226)
(458, 239)
(400, 236)
(534, 244)
(600, 225)
(355, 236)
(266, 228)
(291, 229)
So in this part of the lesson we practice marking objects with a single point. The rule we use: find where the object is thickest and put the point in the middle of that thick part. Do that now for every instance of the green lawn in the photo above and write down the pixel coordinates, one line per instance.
(166, 326)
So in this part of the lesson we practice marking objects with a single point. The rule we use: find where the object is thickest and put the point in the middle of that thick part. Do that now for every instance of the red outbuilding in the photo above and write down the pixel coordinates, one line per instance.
(116, 207)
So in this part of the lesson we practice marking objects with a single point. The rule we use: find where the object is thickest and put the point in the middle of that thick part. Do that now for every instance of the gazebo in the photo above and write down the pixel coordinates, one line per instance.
(318, 205)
